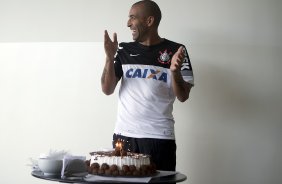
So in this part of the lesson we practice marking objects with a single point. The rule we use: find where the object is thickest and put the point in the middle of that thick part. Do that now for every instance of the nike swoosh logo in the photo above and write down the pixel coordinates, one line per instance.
(133, 55)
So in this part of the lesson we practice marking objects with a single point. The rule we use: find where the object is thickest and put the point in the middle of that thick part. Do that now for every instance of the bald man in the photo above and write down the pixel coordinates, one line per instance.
(153, 71)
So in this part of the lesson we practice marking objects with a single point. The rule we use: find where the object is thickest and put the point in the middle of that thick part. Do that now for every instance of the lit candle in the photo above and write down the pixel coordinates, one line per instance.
(118, 147)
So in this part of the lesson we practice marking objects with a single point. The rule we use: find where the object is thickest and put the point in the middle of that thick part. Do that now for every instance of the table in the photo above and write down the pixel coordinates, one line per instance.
(178, 177)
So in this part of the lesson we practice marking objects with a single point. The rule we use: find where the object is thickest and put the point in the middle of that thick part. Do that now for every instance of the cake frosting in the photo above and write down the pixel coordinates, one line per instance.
(120, 163)
(111, 158)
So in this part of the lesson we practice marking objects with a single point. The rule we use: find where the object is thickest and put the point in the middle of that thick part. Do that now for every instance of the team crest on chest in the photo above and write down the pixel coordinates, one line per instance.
(164, 57)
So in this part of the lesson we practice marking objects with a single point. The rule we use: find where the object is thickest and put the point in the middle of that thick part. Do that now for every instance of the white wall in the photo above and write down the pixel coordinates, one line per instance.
(50, 97)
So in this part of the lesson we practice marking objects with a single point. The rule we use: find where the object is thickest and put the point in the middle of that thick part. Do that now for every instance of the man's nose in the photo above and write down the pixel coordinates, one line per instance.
(128, 23)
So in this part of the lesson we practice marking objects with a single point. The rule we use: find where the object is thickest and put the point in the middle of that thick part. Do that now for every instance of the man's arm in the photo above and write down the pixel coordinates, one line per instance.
(109, 79)
(180, 87)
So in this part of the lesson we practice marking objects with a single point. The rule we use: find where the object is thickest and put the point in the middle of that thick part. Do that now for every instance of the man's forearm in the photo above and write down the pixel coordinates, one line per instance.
(181, 88)
(108, 79)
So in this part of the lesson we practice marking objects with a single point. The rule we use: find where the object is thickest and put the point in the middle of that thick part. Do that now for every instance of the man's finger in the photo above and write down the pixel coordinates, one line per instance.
(115, 37)
(180, 49)
(106, 35)
(181, 52)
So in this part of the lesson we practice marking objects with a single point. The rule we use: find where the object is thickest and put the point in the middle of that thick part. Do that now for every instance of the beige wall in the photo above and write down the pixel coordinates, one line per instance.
(50, 98)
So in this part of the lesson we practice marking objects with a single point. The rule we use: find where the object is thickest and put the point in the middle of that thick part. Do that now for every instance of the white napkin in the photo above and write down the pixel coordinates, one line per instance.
(73, 167)
(53, 154)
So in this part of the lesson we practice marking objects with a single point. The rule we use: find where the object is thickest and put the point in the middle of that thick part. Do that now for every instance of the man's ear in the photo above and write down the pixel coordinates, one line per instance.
(150, 21)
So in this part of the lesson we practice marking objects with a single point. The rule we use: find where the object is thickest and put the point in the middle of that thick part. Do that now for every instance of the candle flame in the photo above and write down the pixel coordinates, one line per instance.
(119, 144)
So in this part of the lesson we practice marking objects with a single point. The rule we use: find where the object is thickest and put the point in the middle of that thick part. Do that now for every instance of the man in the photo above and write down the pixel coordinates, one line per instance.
(154, 71)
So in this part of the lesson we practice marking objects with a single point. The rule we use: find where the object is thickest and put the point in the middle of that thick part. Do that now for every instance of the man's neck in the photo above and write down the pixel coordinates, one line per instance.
(153, 40)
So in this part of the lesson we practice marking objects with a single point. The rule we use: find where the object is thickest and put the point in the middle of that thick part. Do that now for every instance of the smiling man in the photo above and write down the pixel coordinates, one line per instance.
(153, 71)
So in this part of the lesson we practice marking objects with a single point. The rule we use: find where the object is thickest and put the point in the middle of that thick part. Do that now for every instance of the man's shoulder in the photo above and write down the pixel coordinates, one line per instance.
(127, 44)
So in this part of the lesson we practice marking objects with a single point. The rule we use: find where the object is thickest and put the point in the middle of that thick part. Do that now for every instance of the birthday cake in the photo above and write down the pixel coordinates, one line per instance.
(119, 162)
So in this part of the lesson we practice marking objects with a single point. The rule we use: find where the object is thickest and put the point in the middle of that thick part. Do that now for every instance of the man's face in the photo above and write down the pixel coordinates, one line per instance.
(137, 23)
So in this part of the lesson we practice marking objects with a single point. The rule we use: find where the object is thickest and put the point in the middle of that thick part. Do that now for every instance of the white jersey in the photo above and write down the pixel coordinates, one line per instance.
(146, 97)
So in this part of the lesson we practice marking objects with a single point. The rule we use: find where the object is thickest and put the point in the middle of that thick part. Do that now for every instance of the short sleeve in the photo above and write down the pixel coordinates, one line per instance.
(118, 67)
(186, 68)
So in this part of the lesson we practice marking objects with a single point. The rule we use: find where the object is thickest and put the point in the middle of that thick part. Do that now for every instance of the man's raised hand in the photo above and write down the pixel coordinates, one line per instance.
(110, 46)
(177, 60)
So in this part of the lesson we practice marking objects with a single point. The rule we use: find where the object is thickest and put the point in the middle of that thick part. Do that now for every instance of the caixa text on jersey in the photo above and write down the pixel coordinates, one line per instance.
(146, 73)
